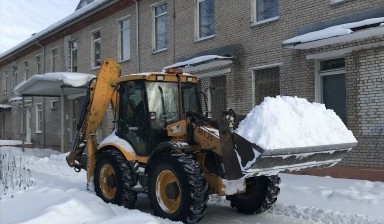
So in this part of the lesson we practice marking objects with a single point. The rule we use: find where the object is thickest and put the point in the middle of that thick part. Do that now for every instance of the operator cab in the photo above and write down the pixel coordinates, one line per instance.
(150, 103)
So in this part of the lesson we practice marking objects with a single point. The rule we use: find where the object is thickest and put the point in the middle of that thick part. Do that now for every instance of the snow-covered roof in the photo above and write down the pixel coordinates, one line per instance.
(5, 106)
(337, 34)
(15, 99)
(50, 84)
(77, 14)
(201, 63)
(83, 3)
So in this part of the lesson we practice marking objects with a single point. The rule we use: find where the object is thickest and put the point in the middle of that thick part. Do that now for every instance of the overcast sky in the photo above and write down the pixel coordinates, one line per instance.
(19, 19)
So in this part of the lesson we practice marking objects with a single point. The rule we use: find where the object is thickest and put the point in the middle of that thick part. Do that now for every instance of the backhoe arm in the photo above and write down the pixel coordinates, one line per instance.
(101, 92)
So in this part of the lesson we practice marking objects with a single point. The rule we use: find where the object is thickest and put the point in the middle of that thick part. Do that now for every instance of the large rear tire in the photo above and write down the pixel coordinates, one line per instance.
(114, 179)
(261, 193)
(177, 188)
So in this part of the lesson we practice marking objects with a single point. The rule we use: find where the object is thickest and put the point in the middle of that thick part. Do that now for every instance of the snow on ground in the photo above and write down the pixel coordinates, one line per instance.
(59, 195)
(10, 142)
(289, 122)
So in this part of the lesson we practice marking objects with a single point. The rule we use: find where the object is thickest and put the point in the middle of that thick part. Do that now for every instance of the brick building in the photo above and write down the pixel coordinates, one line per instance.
(256, 57)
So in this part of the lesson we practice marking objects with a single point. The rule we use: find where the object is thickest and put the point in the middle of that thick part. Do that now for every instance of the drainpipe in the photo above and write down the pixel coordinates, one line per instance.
(44, 120)
(2, 124)
(137, 38)
(174, 31)
(23, 120)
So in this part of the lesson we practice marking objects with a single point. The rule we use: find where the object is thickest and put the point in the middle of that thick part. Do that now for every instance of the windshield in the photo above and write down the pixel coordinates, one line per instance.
(163, 100)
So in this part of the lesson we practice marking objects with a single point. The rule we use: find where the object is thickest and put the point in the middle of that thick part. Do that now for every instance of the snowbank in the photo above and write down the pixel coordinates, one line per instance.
(288, 122)
(59, 195)
(10, 142)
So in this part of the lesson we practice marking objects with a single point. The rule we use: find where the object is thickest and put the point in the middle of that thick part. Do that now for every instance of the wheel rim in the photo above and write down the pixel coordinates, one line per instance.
(168, 192)
(107, 180)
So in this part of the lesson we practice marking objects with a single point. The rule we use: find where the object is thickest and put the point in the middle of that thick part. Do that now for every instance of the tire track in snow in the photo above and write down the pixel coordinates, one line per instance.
(320, 215)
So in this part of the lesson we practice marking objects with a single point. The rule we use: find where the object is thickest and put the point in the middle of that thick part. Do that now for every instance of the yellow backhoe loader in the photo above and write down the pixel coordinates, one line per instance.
(164, 146)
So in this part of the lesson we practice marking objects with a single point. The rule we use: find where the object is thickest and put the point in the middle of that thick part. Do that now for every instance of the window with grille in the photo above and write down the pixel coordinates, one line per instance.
(267, 83)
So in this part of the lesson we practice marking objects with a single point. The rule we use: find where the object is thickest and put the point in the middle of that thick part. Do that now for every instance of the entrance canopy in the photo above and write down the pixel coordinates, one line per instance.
(338, 34)
(206, 65)
(5, 107)
(54, 84)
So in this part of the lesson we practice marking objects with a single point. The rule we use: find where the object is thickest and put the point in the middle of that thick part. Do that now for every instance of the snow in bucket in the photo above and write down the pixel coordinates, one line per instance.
(287, 122)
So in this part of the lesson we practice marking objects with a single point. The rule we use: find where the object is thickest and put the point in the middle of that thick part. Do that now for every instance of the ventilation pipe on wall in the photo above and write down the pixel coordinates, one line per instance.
(43, 71)
(137, 38)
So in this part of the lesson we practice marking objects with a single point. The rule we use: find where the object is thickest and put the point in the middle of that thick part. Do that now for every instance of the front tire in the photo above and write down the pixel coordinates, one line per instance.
(261, 193)
(177, 188)
(114, 179)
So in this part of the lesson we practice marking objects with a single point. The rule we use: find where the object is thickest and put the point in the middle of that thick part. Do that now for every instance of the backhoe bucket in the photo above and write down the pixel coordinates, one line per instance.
(245, 159)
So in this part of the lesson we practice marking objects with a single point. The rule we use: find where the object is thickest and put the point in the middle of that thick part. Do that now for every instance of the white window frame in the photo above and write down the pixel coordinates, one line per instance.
(72, 50)
(39, 117)
(54, 104)
(5, 82)
(319, 74)
(197, 22)
(26, 70)
(154, 17)
(93, 42)
(335, 2)
(120, 30)
(14, 77)
(38, 64)
(54, 58)
(253, 80)
(254, 15)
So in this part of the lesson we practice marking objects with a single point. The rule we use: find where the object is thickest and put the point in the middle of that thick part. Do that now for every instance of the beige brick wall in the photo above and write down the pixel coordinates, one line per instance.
(255, 45)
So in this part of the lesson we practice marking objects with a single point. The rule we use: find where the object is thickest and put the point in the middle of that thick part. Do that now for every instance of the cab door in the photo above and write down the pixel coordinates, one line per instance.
(133, 122)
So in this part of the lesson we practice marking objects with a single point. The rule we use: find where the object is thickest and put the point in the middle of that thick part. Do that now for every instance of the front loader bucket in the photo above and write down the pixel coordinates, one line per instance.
(245, 159)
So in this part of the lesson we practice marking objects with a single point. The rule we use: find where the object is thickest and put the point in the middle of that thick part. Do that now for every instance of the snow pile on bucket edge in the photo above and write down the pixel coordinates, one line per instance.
(289, 122)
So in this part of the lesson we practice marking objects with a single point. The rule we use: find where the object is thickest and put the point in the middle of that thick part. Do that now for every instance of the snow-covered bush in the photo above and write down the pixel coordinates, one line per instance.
(14, 172)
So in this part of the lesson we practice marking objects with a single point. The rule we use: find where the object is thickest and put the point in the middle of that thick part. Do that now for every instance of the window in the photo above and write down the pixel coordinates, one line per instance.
(14, 76)
(96, 49)
(5, 82)
(265, 11)
(330, 86)
(266, 81)
(26, 70)
(338, 1)
(73, 46)
(38, 64)
(160, 41)
(54, 60)
(125, 40)
(205, 16)
(39, 118)
(54, 104)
